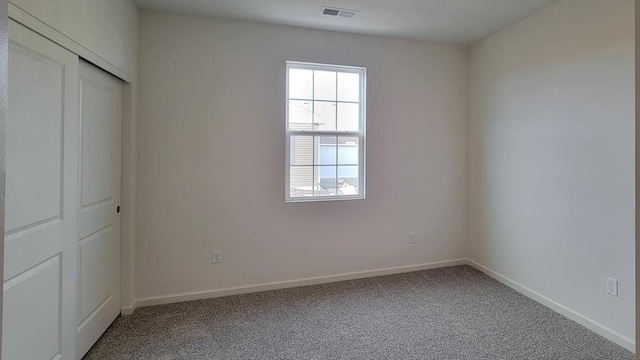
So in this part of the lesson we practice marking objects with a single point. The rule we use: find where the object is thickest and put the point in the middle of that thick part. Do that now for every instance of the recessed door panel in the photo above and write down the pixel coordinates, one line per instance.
(34, 192)
(96, 271)
(32, 311)
(97, 140)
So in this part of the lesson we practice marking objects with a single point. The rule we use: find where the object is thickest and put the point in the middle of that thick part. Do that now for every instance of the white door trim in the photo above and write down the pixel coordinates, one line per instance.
(25, 18)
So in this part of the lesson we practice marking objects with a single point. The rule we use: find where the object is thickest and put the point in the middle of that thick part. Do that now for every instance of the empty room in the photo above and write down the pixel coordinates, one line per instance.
(318, 179)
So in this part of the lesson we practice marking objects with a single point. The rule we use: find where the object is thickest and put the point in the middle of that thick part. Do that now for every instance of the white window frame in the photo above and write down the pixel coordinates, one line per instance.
(360, 134)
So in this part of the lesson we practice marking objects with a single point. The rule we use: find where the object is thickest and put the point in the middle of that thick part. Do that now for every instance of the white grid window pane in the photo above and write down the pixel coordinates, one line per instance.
(301, 84)
(348, 150)
(324, 85)
(301, 181)
(302, 150)
(327, 181)
(324, 115)
(348, 87)
(348, 180)
(327, 151)
(300, 115)
(348, 117)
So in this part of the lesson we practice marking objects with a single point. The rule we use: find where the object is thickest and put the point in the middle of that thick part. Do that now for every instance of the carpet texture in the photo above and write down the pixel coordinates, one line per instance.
(450, 313)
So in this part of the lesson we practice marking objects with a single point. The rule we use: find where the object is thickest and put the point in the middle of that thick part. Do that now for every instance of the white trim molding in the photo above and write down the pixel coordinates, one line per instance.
(129, 309)
(276, 285)
(592, 325)
(35, 24)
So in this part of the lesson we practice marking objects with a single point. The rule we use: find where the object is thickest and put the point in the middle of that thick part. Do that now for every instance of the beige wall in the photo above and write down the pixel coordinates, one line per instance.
(551, 152)
(211, 156)
(105, 27)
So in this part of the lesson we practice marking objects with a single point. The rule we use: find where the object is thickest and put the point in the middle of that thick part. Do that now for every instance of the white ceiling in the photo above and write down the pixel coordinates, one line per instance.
(449, 21)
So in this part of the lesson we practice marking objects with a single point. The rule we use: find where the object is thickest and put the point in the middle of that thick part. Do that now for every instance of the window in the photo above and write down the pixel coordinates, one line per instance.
(325, 132)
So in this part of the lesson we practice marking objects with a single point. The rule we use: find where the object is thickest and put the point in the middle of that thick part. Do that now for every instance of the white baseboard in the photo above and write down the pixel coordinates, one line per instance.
(562, 310)
(207, 294)
(129, 309)
(592, 325)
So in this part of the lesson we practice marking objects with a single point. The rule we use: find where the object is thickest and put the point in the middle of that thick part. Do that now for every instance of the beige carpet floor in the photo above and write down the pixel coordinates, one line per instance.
(450, 313)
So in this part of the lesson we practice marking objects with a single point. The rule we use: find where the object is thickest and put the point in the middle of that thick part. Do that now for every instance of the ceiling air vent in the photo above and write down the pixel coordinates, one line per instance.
(329, 11)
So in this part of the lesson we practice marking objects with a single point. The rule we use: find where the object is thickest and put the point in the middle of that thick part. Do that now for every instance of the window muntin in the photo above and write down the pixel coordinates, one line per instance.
(325, 132)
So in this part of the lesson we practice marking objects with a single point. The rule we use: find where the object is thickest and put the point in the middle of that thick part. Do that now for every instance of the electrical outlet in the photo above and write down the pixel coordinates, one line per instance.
(216, 257)
(412, 238)
(612, 287)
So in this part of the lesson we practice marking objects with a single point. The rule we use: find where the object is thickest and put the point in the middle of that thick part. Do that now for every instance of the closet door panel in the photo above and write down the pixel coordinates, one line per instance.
(99, 195)
(41, 217)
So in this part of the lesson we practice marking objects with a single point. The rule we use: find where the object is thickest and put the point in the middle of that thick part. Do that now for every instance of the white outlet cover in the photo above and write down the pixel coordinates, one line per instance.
(612, 287)
(216, 257)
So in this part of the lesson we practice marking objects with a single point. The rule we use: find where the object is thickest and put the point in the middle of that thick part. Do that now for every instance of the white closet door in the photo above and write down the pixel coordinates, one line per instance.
(41, 199)
(99, 198)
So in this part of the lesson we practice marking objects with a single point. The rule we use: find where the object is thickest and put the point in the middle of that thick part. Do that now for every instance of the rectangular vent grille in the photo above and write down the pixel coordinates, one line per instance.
(338, 12)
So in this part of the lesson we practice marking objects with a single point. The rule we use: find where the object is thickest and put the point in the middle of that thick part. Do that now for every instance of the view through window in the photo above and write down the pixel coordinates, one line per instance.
(325, 132)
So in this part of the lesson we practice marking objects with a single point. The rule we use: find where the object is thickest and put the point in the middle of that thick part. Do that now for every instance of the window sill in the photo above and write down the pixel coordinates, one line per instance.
(324, 198)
